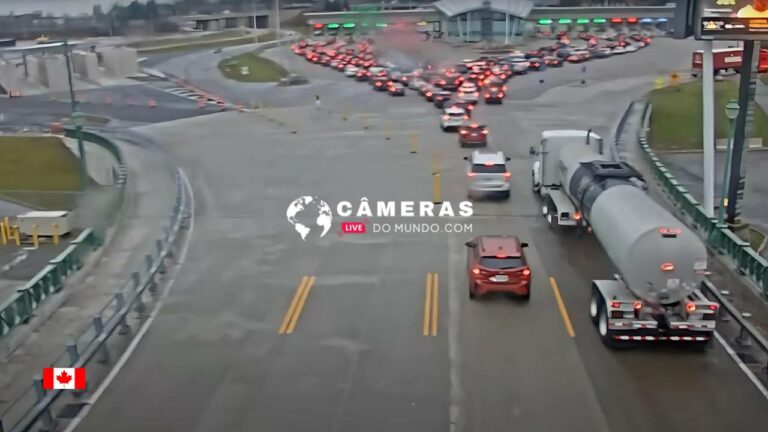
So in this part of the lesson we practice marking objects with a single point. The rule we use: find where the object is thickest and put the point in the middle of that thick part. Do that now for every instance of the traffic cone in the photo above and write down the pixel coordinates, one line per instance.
(201, 103)
(152, 103)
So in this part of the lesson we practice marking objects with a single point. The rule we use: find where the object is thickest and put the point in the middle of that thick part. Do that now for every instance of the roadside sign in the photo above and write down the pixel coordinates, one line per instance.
(732, 19)
(245, 70)
(674, 78)
(659, 82)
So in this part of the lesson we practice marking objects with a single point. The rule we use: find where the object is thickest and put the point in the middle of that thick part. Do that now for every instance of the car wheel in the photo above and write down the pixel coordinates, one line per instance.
(505, 195)
(443, 128)
(594, 305)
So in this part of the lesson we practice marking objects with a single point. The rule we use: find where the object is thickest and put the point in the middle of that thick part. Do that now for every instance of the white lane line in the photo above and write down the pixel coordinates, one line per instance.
(454, 355)
(145, 327)
(760, 387)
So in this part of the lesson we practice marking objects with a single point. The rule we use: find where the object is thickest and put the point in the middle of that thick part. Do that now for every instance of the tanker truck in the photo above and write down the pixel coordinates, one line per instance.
(661, 263)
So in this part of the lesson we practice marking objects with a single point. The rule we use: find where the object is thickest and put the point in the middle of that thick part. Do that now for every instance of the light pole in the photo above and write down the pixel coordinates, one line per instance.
(76, 119)
(731, 111)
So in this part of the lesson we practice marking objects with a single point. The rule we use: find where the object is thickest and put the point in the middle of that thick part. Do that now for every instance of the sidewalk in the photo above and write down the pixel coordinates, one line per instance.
(150, 198)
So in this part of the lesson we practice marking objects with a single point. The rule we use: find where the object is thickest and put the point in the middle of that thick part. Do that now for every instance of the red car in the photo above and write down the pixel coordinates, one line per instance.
(473, 135)
(498, 264)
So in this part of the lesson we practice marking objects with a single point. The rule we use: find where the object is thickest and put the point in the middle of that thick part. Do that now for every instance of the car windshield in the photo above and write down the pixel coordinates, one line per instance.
(489, 169)
(502, 263)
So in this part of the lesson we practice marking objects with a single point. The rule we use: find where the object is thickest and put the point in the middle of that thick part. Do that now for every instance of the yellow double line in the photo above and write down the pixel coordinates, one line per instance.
(297, 304)
(430, 305)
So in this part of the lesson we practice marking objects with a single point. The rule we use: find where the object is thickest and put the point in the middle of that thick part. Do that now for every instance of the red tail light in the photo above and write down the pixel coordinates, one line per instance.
(713, 307)
(501, 95)
(476, 270)
(615, 304)
(577, 216)
(507, 175)
(471, 107)
(526, 272)
(487, 95)
(667, 267)
(637, 305)
(470, 174)
(690, 307)
(466, 117)
(485, 132)
(463, 132)
(445, 117)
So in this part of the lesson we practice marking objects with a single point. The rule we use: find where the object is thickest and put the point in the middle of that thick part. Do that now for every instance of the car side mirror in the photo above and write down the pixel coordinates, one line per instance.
(525, 245)
(469, 244)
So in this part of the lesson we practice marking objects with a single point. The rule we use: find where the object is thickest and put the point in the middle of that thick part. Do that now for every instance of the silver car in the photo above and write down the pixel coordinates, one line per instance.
(453, 118)
(487, 174)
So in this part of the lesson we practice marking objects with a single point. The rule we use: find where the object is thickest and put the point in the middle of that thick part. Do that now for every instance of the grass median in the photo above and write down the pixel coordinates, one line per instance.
(39, 172)
(256, 68)
(676, 120)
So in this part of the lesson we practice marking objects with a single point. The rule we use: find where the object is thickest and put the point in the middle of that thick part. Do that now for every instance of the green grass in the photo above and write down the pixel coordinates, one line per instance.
(39, 172)
(192, 38)
(676, 120)
(260, 68)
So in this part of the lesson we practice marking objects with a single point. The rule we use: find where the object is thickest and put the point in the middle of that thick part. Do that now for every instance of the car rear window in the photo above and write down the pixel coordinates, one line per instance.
(502, 263)
(489, 169)
(456, 114)
(475, 128)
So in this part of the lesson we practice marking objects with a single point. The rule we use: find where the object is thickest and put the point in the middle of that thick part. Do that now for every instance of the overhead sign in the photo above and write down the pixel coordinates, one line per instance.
(732, 19)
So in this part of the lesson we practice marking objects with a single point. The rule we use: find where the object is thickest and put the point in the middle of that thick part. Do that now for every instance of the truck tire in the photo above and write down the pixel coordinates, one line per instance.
(606, 335)
(535, 187)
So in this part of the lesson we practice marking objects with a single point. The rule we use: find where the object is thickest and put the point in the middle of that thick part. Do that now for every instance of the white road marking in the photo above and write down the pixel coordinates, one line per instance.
(454, 355)
(760, 387)
(145, 327)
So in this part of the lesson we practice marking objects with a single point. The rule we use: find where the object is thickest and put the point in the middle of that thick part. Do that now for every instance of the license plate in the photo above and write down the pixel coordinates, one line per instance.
(500, 278)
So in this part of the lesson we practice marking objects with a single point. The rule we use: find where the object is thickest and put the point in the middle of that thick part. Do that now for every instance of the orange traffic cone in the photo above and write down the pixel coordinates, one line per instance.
(152, 103)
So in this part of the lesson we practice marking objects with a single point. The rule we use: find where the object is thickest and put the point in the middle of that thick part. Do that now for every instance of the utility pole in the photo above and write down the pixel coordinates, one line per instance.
(76, 118)
(708, 128)
(255, 35)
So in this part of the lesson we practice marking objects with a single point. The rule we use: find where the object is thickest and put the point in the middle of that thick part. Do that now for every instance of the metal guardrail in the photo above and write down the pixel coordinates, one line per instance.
(133, 295)
(19, 308)
(717, 235)
(739, 332)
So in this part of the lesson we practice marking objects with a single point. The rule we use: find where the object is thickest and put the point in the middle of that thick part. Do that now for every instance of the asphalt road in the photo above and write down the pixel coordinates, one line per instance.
(357, 359)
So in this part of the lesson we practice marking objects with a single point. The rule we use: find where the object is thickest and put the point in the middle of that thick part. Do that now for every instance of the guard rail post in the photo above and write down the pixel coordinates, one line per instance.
(74, 356)
(151, 281)
(46, 417)
(119, 305)
(743, 338)
(140, 307)
(98, 327)
(161, 262)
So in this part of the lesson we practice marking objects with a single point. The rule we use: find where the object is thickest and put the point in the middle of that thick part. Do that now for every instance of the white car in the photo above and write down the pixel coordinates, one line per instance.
(487, 174)
(467, 88)
(469, 94)
(630, 48)
(416, 84)
(350, 71)
(619, 50)
(453, 118)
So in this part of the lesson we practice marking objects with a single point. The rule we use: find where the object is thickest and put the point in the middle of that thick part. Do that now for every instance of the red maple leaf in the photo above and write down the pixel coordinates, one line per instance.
(63, 377)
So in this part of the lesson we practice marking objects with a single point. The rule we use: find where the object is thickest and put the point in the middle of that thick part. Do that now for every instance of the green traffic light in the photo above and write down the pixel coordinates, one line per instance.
(332, 26)
(348, 25)
(582, 21)
(564, 21)
(545, 21)
(599, 20)
(381, 24)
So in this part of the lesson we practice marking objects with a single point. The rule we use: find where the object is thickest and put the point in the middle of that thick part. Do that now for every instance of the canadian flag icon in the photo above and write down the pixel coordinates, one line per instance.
(64, 378)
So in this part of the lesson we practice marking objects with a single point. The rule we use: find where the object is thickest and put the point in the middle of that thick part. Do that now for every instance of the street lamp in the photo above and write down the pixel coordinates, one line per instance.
(76, 118)
(731, 111)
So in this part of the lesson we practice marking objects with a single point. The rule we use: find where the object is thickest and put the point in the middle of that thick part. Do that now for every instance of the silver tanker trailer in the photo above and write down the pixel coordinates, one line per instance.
(661, 262)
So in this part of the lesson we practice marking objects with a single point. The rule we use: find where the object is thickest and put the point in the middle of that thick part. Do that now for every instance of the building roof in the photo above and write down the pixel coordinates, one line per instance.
(451, 8)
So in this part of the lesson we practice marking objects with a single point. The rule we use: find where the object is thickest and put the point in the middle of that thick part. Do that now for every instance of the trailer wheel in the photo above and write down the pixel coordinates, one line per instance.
(536, 187)
(606, 335)
(594, 305)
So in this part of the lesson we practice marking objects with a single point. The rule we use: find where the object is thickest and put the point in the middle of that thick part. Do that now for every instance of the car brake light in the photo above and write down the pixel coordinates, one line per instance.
(477, 94)
(476, 270)
(577, 216)
(485, 132)
(637, 305)
(667, 267)
(615, 304)
(713, 307)
(690, 307)
(526, 272)
(489, 164)
(501, 256)
(487, 95)
(466, 117)
(470, 174)
(463, 132)
(501, 95)
(507, 175)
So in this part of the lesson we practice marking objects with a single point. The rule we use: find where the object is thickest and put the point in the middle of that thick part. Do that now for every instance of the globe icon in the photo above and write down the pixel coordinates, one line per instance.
(307, 213)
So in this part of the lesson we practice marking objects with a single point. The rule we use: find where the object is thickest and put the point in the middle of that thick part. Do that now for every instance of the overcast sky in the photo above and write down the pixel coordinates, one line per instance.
(59, 7)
